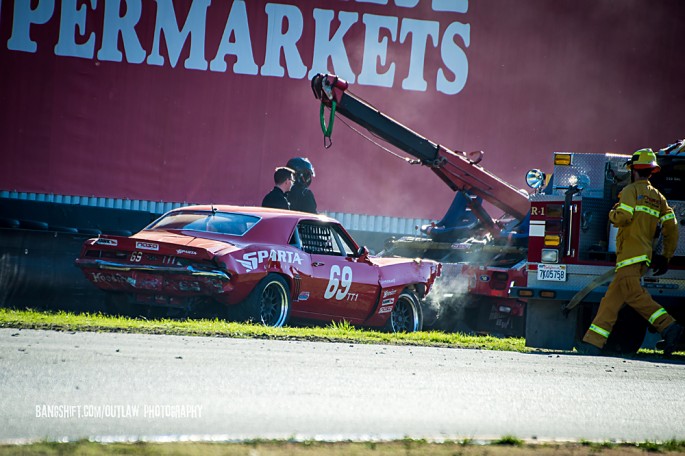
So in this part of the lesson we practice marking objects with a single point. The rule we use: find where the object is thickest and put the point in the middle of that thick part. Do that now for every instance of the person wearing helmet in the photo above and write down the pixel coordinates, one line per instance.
(301, 197)
(639, 210)
(283, 182)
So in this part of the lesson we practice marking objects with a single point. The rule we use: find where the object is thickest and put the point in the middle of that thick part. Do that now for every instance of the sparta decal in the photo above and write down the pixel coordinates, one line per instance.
(251, 260)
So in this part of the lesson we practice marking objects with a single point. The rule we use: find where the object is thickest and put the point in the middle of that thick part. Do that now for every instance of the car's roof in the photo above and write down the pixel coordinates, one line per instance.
(263, 212)
(275, 225)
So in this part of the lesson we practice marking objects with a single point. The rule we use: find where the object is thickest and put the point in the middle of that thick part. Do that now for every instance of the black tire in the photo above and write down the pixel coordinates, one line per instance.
(628, 332)
(63, 229)
(9, 223)
(90, 231)
(268, 304)
(33, 225)
(407, 315)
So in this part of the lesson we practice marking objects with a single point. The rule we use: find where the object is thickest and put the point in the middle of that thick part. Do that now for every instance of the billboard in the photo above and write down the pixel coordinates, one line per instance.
(199, 101)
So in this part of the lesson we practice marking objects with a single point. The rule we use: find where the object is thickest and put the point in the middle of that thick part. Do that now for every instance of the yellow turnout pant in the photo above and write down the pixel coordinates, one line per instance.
(625, 289)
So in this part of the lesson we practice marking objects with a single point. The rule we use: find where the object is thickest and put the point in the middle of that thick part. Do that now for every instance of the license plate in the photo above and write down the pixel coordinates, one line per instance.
(552, 272)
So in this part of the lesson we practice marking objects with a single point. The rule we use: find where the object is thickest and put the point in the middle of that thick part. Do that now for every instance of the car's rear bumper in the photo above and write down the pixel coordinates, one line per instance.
(154, 279)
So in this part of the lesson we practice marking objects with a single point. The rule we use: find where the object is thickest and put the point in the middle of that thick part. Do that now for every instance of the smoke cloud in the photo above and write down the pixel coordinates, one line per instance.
(445, 306)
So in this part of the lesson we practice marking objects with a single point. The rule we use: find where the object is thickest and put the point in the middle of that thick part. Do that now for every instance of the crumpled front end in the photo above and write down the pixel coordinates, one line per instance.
(396, 275)
(395, 272)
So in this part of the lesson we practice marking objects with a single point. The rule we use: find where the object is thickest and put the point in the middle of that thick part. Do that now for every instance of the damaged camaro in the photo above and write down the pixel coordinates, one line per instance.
(257, 264)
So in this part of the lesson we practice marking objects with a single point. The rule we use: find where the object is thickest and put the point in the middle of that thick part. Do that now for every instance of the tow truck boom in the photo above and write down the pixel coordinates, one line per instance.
(458, 170)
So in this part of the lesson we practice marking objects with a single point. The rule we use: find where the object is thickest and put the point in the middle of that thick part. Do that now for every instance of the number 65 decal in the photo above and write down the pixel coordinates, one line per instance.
(339, 283)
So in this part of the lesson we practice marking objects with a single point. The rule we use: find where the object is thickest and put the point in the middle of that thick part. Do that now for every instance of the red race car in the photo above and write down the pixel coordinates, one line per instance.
(257, 264)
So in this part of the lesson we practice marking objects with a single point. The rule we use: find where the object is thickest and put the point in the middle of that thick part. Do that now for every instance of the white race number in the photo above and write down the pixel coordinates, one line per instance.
(339, 282)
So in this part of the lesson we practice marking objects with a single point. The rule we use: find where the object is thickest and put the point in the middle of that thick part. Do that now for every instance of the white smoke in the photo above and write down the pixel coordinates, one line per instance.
(445, 305)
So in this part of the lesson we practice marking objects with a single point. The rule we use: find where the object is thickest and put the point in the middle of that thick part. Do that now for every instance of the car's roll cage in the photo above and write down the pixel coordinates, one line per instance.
(344, 243)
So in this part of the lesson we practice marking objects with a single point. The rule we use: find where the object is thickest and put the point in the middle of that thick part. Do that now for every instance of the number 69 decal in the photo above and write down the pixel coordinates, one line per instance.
(339, 283)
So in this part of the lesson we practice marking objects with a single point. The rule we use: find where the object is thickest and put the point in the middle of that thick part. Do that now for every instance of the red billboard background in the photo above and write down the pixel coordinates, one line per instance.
(540, 76)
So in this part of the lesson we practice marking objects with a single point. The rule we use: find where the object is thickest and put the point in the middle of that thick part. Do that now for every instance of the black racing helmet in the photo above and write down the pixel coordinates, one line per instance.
(304, 170)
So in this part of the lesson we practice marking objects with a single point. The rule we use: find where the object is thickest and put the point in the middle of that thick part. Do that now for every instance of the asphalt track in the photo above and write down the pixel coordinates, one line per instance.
(111, 387)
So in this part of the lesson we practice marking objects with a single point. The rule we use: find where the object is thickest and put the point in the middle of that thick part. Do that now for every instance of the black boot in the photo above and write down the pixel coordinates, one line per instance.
(671, 335)
(588, 349)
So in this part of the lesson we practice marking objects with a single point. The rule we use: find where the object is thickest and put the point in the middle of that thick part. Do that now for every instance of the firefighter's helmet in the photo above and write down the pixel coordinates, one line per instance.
(304, 170)
(644, 159)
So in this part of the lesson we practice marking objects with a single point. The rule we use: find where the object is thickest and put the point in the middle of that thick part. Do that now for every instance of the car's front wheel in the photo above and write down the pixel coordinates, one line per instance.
(406, 316)
(269, 302)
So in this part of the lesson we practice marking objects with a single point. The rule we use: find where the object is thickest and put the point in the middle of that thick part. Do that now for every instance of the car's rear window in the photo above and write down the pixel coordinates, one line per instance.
(212, 222)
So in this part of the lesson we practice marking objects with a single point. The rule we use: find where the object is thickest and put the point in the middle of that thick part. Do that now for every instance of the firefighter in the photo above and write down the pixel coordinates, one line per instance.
(301, 197)
(284, 178)
(639, 210)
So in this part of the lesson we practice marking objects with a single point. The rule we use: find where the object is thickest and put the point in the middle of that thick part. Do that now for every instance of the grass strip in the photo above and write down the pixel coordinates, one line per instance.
(334, 332)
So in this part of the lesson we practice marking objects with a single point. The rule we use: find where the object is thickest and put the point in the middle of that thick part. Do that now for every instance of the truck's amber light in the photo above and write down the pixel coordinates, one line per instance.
(552, 240)
(525, 293)
(548, 294)
(562, 159)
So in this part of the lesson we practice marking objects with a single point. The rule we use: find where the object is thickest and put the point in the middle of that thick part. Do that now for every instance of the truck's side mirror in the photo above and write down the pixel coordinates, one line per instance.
(362, 252)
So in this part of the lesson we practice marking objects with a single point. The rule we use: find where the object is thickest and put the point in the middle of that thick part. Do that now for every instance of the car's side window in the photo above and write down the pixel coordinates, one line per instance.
(295, 239)
(343, 240)
(318, 238)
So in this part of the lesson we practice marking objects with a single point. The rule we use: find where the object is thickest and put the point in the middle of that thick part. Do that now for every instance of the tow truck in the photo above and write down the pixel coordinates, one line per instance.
(541, 269)
(572, 249)
(482, 257)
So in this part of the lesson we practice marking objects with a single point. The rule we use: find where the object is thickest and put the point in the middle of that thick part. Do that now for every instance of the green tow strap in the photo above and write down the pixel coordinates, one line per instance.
(327, 130)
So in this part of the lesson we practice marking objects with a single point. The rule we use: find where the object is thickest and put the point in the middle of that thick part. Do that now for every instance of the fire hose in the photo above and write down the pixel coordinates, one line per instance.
(578, 297)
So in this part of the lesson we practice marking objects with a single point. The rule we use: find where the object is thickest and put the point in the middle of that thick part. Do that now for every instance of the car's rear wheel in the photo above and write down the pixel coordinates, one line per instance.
(269, 302)
(406, 316)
